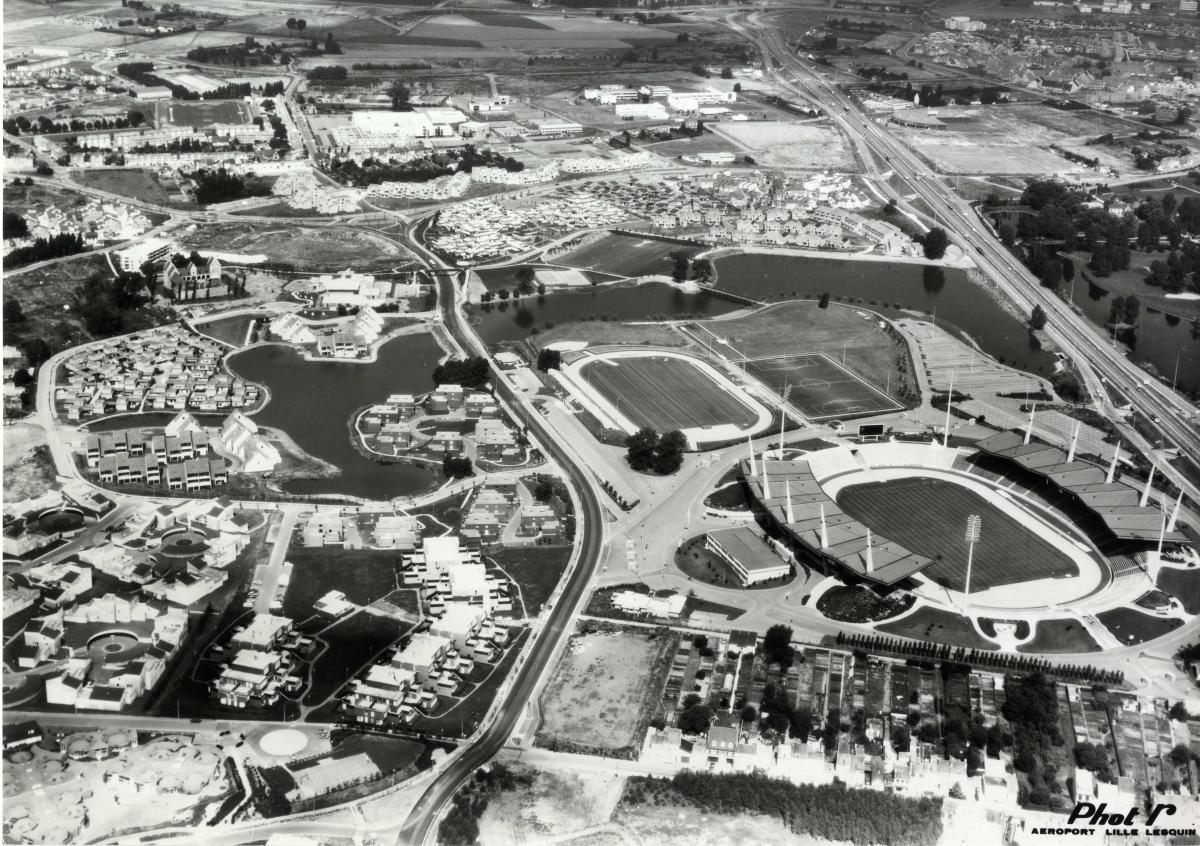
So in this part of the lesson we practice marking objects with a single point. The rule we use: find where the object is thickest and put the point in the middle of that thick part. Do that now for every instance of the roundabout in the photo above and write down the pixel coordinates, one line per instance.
(283, 743)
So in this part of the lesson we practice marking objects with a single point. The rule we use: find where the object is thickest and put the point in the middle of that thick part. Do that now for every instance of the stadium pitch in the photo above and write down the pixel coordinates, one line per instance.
(928, 516)
(820, 388)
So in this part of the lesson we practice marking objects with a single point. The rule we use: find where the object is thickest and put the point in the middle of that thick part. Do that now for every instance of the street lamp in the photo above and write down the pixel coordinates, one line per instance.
(974, 524)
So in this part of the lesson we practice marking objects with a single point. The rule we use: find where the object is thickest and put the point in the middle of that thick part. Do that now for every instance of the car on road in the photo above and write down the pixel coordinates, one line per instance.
(979, 250)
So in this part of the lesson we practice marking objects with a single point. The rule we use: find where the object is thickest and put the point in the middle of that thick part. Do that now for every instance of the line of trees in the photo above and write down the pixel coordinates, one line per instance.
(56, 246)
(470, 372)
(979, 658)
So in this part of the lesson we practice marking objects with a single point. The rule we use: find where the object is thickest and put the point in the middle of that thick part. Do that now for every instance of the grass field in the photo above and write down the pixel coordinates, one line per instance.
(846, 335)
(536, 570)
(1184, 585)
(939, 627)
(130, 182)
(231, 330)
(363, 575)
(352, 644)
(1129, 626)
(608, 332)
(665, 393)
(928, 517)
(1065, 636)
(331, 248)
(604, 689)
(819, 387)
(624, 255)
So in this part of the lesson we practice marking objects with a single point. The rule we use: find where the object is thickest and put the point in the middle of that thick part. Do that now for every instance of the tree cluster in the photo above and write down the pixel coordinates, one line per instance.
(549, 360)
(220, 186)
(457, 467)
(461, 825)
(56, 246)
(647, 450)
(469, 372)
(824, 812)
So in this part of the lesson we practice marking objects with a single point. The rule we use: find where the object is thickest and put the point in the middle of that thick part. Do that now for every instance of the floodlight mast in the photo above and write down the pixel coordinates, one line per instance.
(974, 525)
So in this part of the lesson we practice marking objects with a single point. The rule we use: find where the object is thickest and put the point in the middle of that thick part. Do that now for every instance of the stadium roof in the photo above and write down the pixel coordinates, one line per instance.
(748, 547)
(847, 537)
(1116, 502)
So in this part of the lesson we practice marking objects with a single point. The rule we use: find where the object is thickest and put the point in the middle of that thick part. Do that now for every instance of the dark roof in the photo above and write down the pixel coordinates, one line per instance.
(890, 562)
(1115, 502)
(742, 639)
(26, 730)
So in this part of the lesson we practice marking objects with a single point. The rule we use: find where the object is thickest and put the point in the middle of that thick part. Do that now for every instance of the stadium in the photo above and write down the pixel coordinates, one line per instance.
(627, 389)
(1056, 529)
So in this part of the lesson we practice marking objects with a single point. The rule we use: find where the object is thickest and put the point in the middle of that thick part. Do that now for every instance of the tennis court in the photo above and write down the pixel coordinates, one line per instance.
(820, 388)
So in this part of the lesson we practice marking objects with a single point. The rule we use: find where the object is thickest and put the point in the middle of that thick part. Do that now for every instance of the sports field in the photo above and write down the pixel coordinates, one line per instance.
(820, 387)
(929, 516)
(665, 393)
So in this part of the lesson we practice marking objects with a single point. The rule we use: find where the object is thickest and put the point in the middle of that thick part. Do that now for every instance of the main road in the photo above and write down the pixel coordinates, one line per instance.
(419, 826)
(1168, 412)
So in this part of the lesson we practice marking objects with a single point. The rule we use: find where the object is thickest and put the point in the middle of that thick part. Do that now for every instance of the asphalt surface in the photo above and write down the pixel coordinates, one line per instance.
(420, 823)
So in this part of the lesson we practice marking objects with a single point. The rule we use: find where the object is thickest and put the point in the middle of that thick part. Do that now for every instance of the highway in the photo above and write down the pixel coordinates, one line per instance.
(419, 828)
(1092, 354)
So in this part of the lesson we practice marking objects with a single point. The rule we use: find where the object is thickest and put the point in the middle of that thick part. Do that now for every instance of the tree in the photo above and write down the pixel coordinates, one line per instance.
(641, 447)
(525, 277)
(1178, 713)
(1008, 233)
(669, 456)
(549, 360)
(301, 24)
(726, 73)
(400, 94)
(901, 740)
(457, 466)
(777, 645)
(695, 720)
(749, 715)
(1037, 320)
(936, 242)
(679, 264)
(291, 23)
(824, 301)
(1180, 755)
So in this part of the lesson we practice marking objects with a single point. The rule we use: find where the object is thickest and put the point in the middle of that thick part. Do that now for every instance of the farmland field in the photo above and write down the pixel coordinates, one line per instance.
(624, 255)
(820, 388)
(1007, 553)
(603, 690)
(665, 393)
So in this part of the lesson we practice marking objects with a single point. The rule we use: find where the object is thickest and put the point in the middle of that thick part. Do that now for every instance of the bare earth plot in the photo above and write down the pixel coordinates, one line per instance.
(665, 393)
(779, 144)
(28, 469)
(557, 802)
(604, 690)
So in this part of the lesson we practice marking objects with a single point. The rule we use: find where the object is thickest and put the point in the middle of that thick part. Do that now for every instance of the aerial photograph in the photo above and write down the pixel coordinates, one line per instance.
(601, 422)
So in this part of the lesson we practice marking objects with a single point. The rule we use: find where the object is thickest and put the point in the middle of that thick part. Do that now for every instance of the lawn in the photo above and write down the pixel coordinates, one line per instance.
(936, 626)
(1130, 627)
(602, 333)
(665, 393)
(352, 644)
(1007, 553)
(463, 717)
(1184, 585)
(230, 330)
(792, 328)
(604, 690)
(1063, 636)
(536, 570)
(364, 575)
(330, 248)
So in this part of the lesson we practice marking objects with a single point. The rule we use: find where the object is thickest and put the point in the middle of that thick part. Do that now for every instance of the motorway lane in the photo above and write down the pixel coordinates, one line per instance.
(420, 825)
(1070, 330)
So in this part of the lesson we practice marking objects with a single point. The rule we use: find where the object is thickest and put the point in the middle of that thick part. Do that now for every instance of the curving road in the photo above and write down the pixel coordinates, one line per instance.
(1099, 362)
(420, 825)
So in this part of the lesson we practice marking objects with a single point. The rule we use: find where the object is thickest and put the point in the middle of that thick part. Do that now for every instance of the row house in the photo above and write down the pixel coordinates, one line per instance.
(481, 405)
(199, 474)
(265, 633)
(494, 441)
(394, 438)
(447, 441)
(539, 520)
(339, 345)
(254, 678)
(472, 630)
(483, 527)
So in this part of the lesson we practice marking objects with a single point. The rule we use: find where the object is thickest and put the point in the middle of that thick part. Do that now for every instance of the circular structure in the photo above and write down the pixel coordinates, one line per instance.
(283, 743)
(65, 521)
(114, 646)
(814, 384)
(183, 544)
(628, 389)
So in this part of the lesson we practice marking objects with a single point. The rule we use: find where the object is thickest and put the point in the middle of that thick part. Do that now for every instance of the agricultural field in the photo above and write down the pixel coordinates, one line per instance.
(819, 387)
(1008, 553)
(604, 690)
(665, 393)
(784, 144)
(791, 328)
(624, 255)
